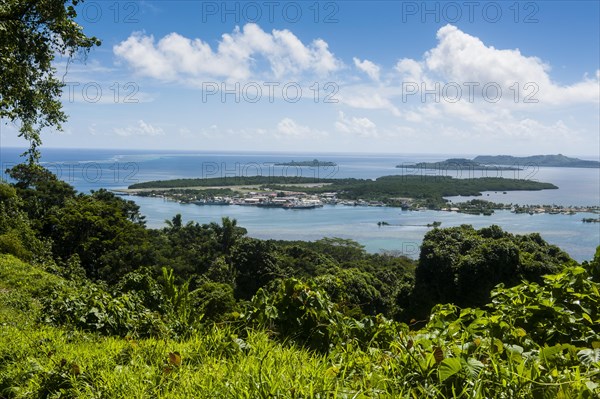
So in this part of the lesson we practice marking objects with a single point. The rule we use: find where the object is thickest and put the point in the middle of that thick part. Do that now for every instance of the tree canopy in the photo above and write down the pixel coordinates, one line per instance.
(32, 34)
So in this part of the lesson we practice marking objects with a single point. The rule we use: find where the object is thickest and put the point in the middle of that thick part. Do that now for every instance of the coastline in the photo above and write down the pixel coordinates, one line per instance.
(253, 197)
(360, 224)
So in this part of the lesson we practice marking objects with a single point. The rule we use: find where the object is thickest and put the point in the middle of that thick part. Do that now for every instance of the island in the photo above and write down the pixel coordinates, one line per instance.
(558, 160)
(407, 192)
(456, 164)
(503, 163)
(314, 163)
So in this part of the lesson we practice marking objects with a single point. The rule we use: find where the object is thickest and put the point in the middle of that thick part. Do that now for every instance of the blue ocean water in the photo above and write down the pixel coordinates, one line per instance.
(92, 169)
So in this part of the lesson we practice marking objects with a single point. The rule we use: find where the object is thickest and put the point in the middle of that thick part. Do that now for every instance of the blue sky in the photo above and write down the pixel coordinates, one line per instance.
(378, 76)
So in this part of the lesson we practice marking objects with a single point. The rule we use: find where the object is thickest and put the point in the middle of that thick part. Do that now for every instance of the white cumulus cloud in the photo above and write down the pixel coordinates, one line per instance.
(289, 128)
(410, 69)
(176, 57)
(362, 127)
(463, 58)
(140, 129)
(367, 67)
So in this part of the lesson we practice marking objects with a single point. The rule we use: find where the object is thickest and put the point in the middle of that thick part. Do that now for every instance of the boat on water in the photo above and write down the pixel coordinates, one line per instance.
(300, 206)
(303, 204)
(216, 201)
(270, 205)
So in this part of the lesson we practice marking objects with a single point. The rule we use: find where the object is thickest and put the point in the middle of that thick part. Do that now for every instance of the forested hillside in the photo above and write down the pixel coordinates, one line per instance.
(94, 304)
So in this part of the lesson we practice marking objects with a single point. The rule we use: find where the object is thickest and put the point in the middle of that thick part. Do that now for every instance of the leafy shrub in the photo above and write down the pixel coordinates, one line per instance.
(354, 291)
(17, 237)
(255, 266)
(25, 281)
(296, 311)
(215, 301)
(181, 312)
(10, 243)
(141, 284)
(534, 341)
(566, 308)
(92, 309)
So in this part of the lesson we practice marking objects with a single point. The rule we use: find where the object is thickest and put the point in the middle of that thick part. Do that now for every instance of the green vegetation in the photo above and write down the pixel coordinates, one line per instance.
(504, 163)
(457, 164)
(429, 190)
(94, 304)
(393, 190)
(462, 265)
(558, 160)
(32, 35)
(479, 207)
(533, 341)
(227, 181)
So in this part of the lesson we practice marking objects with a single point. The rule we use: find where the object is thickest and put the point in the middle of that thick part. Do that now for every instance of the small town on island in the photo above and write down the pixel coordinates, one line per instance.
(266, 197)
(418, 190)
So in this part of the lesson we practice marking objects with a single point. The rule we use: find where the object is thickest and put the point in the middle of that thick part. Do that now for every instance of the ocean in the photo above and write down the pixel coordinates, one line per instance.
(91, 169)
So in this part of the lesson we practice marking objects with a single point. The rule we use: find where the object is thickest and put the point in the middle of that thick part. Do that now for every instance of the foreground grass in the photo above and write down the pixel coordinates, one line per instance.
(45, 362)
(48, 362)
(464, 353)
(41, 361)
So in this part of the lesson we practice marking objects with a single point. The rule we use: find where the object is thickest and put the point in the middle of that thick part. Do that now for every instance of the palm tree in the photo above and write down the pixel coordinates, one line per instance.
(228, 233)
(175, 223)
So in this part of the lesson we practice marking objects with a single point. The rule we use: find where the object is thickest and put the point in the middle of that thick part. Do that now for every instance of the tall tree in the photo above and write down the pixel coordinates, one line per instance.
(32, 34)
(228, 233)
(461, 265)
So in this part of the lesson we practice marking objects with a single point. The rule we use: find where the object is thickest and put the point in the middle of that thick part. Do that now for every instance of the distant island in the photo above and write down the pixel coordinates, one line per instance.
(314, 163)
(558, 160)
(504, 162)
(456, 164)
